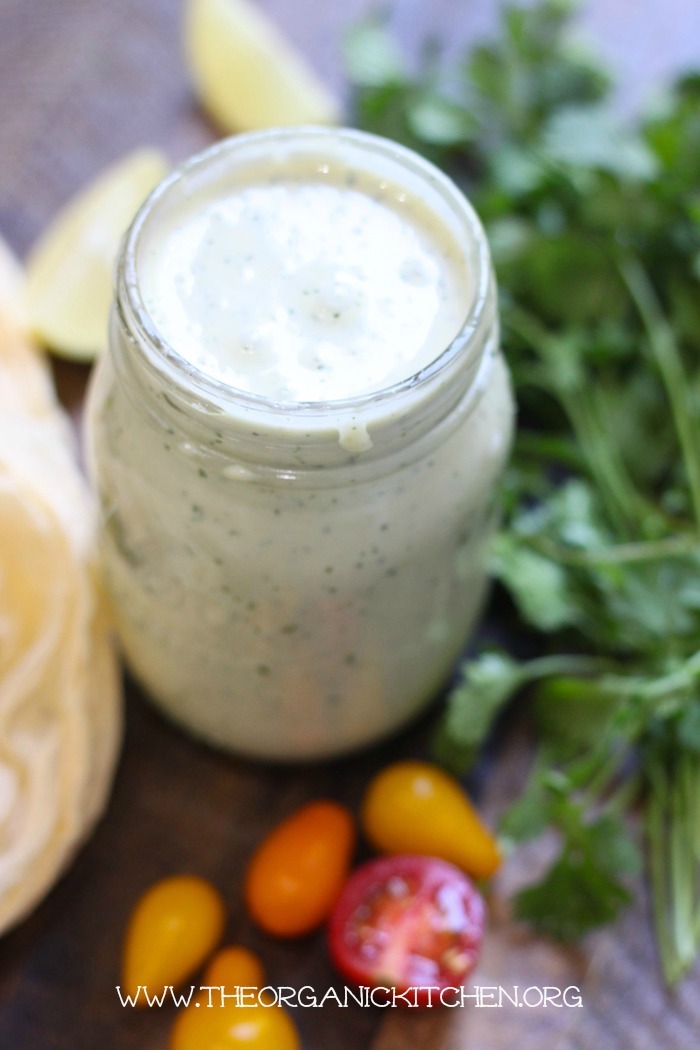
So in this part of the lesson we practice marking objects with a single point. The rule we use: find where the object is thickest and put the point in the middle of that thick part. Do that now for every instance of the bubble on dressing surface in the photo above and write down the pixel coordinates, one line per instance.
(413, 271)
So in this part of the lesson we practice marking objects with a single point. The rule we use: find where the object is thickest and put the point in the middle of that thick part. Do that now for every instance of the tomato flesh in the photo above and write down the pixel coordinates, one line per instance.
(407, 922)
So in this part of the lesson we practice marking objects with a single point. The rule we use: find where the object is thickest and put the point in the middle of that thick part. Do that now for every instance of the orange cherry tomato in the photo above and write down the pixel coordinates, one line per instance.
(216, 1027)
(415, 807)
(296, 874)
(234, 967)
(175, 925)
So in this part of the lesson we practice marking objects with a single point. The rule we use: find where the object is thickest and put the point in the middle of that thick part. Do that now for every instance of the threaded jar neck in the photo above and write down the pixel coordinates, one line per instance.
(306, 435)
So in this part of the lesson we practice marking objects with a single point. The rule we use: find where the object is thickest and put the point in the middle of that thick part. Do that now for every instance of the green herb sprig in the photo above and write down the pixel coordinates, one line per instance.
(594, 225)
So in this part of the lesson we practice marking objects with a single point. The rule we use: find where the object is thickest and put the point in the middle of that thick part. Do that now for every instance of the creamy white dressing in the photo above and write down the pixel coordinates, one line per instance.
(293, 580)
(325, 284)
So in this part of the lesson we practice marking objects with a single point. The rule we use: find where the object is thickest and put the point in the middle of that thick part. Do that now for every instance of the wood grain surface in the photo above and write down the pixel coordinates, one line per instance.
(82, 82)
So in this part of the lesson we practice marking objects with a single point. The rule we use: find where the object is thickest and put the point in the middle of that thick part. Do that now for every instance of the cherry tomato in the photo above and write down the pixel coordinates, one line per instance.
(210, 1023)
(233, 967)
(407, 922)
(175, 925)
(296, 874)
(415, 807)
(217, 1027)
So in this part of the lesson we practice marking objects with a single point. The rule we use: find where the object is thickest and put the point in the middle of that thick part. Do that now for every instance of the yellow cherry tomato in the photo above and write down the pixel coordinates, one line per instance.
(175, 925)
(296, 874)
(216, 1027)
(415, 807)
(233, 967)
(211, 1022)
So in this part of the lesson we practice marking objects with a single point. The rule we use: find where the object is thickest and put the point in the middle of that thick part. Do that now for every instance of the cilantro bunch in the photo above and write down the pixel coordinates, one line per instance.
(594, 226)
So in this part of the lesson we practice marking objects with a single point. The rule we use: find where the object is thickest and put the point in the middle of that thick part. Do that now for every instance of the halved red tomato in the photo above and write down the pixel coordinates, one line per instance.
(407, 922)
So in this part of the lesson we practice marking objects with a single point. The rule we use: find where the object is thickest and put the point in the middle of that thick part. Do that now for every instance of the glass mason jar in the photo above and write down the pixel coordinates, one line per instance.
(295, 580)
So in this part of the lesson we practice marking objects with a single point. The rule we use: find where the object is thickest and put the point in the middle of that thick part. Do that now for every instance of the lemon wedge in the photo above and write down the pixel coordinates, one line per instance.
(70, 269)
(246, 74)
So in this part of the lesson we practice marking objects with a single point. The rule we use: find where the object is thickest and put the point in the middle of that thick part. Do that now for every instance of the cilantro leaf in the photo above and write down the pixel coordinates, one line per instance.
(593, 136)
(438, 121)
(529, 815)
(584, 887)
(537, 584)
(574, 714)
(575, 896)
(594, 225)
(486, 685)
(372, 58)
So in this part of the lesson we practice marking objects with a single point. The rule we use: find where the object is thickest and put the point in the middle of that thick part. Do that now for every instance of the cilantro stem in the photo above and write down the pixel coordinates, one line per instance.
(681, 677)
(677, 546)
(682, 867)
(602, 777)
(656, 837)
(666, 353)
(624, 796)
(603, 462)
(549, 446)
(565, 664)
(673, 831)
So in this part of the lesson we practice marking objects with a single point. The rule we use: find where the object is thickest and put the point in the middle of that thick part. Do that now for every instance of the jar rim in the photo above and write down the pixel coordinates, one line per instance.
(164, 357)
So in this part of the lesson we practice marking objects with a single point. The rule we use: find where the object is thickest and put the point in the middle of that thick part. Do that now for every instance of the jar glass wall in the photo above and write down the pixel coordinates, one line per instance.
(295, 580)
